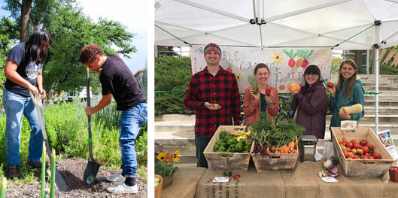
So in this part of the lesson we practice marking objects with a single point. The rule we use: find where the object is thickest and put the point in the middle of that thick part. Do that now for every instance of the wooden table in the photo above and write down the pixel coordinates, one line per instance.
(303, 182)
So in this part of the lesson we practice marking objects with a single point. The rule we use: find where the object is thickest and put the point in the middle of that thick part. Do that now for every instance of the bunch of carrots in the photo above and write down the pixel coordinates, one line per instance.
(291, 148)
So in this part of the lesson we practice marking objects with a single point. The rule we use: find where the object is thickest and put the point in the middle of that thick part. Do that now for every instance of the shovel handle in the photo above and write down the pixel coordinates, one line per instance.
(43, 129)
(90, 140)
(59, 181)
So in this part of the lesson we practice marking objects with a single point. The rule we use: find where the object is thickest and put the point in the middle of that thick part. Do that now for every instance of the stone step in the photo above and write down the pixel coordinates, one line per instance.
(175, 126)
(382, 103)
(372, 78)
(369, 118)
(176, 117)
(386, 88)
(371, 98)
(188, 138)
(381, 92)
(382, 110)
(368, 84)
(175, 138)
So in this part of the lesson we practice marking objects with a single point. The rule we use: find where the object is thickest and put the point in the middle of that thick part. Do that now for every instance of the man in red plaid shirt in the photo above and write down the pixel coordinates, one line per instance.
(213, 95)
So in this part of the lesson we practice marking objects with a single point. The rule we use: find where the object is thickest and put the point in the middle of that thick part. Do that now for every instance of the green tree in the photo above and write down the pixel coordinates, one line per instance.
(171, 73)
(7, 33)
(70, 30)
(29, 14)
(336, 61)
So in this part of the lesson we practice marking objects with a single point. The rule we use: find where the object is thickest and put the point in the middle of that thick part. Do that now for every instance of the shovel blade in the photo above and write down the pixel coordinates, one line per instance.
(91, 171)
(59, 181)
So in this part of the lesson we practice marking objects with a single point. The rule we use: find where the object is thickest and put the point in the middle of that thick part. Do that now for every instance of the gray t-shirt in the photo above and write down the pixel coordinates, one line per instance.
(27, 69)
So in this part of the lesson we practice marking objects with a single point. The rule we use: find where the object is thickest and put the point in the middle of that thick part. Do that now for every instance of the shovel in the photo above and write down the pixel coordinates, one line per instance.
(59, 181)
(92, 166)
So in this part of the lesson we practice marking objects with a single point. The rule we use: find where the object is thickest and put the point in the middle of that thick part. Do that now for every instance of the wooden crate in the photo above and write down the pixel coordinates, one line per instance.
(276, 162)
(362, 167)
(225, 160)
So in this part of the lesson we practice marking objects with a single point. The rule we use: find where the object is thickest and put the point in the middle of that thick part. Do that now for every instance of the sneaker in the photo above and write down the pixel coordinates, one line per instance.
(122, 188)
(35, 165)
(117, 177)
(12, 172)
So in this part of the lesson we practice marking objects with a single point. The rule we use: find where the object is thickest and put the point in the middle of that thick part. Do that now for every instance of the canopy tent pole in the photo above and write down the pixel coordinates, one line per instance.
(367, 62)
(376, 63)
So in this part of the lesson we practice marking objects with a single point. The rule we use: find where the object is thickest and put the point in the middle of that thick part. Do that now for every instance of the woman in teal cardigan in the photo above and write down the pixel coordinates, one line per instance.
(349, 91)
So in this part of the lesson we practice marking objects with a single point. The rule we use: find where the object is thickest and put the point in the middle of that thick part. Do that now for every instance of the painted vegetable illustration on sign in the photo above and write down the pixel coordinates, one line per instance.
(291, 62)
(302, 61)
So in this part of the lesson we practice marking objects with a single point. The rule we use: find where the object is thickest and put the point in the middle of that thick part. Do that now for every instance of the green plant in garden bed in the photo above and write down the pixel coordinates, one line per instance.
(67, 131)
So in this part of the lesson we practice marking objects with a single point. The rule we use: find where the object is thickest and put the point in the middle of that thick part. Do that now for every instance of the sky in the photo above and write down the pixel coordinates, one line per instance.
(130, 13)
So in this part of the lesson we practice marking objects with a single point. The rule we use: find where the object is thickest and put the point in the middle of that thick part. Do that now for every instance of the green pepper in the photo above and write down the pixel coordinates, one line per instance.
(247, 148)
(228, 136)
(249, 142)
(222, 134)
(232, 141)
(216, 147)
(223, 143)
(221, 149)
(239, 147)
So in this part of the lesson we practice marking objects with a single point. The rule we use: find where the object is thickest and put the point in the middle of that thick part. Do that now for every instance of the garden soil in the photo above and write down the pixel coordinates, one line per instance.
(72, 171)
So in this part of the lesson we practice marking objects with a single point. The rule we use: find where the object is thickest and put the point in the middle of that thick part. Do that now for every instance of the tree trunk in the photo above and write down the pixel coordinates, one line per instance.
(358, 58)
(25, 14)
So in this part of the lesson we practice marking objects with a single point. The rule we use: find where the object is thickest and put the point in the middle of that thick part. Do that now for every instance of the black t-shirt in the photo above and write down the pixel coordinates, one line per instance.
(27, 69)
(116, 78)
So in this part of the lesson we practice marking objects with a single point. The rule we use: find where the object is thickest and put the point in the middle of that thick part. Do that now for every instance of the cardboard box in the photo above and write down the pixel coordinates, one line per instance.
(362, 167)
(225, 160)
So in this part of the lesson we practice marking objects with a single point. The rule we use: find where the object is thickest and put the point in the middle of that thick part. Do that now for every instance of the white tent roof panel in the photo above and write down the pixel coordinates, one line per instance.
(289, 23)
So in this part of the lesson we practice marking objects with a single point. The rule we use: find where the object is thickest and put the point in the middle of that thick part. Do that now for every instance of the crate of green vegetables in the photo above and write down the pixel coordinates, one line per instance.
(229, 149)
(275, 145)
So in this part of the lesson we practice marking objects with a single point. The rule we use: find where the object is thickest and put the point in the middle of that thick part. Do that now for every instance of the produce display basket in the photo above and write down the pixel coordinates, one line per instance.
(158, 188)
(362, 167)
(225, 160)
(275, 162)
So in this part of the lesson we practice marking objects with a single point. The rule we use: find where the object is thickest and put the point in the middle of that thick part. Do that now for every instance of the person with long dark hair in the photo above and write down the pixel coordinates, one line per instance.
(23, 72)
(348, 92)
(254, 103)
(311, 103)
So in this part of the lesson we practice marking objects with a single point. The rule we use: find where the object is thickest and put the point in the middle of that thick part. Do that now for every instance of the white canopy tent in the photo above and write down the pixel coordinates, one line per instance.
(337, 24)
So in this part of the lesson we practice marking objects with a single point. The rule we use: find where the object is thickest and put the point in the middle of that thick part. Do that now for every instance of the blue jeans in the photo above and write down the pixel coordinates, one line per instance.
(15, 106)
(130, 124)
(201, 144)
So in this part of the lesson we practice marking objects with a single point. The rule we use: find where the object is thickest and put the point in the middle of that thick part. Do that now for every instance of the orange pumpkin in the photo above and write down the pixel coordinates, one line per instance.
(294, 87)
(282, 87)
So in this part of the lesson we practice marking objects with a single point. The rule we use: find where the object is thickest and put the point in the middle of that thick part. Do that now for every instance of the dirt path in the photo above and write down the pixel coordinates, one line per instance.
(72, 171)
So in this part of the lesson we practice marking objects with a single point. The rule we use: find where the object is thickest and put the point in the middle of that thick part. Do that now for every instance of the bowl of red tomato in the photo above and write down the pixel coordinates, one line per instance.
(393, 173)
